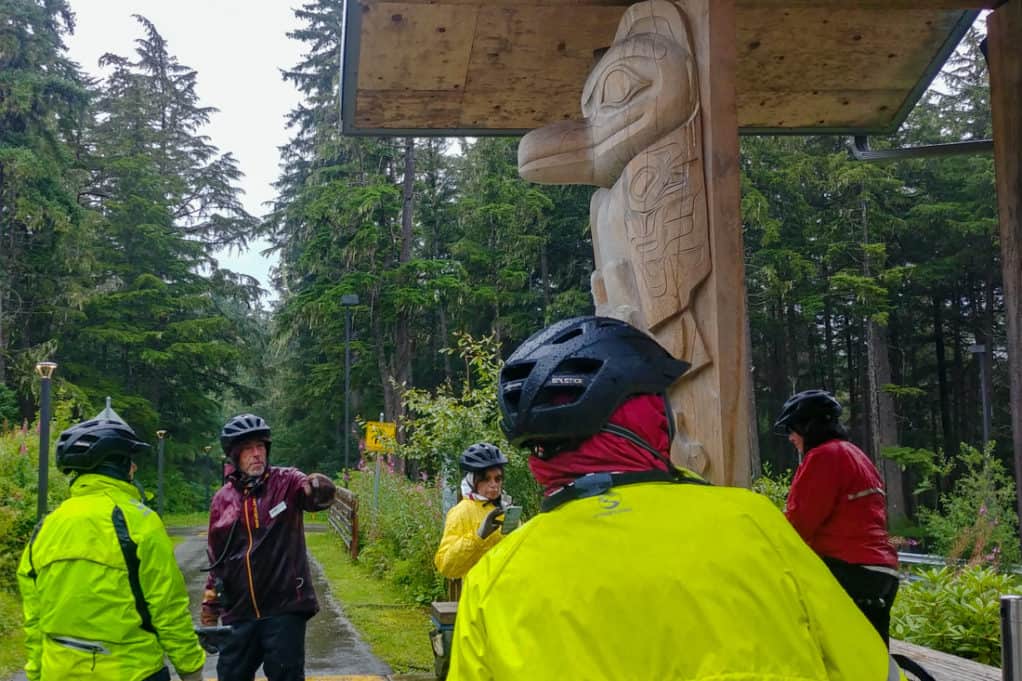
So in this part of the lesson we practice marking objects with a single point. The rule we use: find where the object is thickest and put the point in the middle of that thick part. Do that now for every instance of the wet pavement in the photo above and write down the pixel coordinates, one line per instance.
(332, 646)
(333, 649)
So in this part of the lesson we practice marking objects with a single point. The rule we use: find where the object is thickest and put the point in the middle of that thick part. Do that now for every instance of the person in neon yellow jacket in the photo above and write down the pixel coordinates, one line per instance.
(472, 525)
(637, 569)
(103, 597)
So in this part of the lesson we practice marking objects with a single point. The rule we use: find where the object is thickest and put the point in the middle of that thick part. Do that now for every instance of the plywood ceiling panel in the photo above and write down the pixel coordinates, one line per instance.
(471, 66)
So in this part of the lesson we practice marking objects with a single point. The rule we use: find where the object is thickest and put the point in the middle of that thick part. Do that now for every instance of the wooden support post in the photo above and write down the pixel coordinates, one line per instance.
(720, 306)
(1004, 26)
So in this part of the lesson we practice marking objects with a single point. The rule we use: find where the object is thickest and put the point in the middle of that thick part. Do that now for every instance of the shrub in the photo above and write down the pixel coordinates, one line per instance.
(773, 486)
(978, 521)
(443, 423)
(19, 484)
(400, 535)
(954, 611)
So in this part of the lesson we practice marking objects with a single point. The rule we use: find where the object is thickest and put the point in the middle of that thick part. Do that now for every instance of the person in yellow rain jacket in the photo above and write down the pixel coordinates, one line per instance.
(637, 569)
(102, 594)
(472, 526)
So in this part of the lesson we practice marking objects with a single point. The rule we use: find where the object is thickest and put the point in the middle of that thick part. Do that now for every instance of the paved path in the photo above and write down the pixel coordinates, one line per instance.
(333, 649)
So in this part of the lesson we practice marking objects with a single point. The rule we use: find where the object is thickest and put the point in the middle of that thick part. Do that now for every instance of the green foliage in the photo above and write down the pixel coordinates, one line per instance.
(954, 611)
(977, 519)
(929, 466)
(774, 486)
(443, 423)
(12, 636)
(8, 407)
(400, 533)
(19, 484)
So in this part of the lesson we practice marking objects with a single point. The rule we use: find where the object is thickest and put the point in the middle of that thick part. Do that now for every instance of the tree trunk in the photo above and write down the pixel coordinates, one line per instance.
(883, 420)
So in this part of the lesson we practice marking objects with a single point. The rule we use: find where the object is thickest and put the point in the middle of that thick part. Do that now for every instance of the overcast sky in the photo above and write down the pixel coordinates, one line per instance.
(237, 47)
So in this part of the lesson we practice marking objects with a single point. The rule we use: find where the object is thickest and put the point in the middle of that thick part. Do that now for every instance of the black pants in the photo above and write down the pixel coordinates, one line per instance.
(872, 591)
(277, 643)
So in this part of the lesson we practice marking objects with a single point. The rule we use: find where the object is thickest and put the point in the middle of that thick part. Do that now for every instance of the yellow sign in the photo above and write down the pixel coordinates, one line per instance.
(380, 436)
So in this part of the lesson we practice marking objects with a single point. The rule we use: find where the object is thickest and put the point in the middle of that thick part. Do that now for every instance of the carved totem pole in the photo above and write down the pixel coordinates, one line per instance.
(659, 137)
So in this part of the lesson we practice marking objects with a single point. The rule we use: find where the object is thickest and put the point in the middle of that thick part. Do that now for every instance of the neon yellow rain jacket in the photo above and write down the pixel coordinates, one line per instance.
(81, 618)
(461, 547)
(661, 581)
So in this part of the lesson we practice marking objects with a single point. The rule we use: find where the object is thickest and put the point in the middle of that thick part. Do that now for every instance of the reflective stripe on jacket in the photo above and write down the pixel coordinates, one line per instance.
(661, 581)
(460, 547)
(837, 505)
(81, 617)
(260, 535)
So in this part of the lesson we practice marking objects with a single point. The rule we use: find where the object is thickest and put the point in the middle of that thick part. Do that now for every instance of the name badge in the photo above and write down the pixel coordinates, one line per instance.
(278, 509)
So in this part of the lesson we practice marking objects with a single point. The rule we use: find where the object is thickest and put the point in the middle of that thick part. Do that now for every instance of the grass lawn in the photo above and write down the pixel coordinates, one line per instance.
(396, 629)
(12, 637)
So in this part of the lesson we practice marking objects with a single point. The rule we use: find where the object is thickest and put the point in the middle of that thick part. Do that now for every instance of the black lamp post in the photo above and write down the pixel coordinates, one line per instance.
(348, 301)
(45, 371)
(162, 435)
(980, 351)
(209, 473)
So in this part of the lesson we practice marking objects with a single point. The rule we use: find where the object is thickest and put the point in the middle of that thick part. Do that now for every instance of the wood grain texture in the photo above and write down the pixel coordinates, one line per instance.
(1004, 27)
(946, 667)
(514, 64)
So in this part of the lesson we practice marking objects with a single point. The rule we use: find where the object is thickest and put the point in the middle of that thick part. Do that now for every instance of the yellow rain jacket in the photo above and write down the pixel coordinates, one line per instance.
(82, 620)
(658, 580)
(461, 547)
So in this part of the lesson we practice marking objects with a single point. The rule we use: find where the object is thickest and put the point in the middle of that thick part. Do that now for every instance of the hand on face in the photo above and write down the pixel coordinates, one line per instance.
(252, 458)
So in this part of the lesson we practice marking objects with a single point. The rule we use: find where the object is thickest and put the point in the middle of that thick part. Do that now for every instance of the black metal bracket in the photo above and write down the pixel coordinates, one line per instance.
(859, 148)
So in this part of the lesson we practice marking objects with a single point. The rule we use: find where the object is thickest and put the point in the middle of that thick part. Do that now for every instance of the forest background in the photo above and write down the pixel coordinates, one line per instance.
(870, 280)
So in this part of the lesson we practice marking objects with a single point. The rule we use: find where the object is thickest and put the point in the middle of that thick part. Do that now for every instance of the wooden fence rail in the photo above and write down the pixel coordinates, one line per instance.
(343, 517)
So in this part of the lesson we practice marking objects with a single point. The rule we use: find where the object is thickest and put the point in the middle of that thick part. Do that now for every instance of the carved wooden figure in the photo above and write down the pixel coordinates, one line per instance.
(664, 260)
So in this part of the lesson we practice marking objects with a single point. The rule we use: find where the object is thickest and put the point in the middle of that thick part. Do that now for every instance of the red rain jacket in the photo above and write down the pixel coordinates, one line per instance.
(836, 504)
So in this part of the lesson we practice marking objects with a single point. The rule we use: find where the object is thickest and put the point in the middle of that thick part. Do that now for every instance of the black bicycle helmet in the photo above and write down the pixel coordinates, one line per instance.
(481, 456)
(99, 446)
(564, 383)
(806, 406)
(244, 427)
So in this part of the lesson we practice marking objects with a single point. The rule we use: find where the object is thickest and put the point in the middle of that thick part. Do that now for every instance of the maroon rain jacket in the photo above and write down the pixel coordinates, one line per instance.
(256, 544)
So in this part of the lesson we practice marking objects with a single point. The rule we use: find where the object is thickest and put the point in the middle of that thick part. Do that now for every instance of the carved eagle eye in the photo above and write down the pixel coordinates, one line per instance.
(620, 85)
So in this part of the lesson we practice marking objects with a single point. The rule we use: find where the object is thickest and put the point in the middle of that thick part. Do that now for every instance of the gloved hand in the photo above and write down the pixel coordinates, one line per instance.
(491, 523)
(192, 676)
(210, 614)
(320, 489)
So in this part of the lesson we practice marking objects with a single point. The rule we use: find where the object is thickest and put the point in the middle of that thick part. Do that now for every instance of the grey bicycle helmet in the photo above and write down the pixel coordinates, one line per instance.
(480, 457)
(562, 385)
(244, 427)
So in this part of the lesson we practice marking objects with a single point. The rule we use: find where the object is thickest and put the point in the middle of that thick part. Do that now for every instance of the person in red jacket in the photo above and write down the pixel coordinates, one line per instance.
(259, 579)
(837, 504)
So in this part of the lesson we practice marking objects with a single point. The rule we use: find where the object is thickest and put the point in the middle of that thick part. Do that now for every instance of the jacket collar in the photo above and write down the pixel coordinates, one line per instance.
(93, 483)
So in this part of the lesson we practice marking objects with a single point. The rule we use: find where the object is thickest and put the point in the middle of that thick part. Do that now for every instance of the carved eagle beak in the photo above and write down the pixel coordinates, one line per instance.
(559, 153)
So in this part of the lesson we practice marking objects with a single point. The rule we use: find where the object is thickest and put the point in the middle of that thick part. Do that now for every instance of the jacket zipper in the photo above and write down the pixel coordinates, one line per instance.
(248, 555)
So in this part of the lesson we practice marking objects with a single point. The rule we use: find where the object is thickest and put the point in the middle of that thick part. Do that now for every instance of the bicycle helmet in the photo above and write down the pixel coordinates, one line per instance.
(562, 385)
(480, 457)
(244, 427)
(99, 446)
(806, 406)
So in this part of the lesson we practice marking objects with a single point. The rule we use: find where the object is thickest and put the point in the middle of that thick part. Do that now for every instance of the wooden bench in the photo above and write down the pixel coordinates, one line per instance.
(945, 667)
(343, 517)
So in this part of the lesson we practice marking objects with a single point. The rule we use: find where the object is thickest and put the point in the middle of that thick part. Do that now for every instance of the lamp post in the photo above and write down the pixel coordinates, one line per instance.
(348, 300)
(980, 351)
(45, 371)
(162, 435)
(209, 472)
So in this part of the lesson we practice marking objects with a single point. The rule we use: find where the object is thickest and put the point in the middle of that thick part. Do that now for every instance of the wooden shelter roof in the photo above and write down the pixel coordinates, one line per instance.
(475, 67)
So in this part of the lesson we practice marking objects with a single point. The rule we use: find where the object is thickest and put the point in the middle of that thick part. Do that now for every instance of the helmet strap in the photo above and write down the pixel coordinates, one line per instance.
(627, 434)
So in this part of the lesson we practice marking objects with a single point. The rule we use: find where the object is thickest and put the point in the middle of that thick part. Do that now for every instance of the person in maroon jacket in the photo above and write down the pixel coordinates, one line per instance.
(837, 504)
(259, 581)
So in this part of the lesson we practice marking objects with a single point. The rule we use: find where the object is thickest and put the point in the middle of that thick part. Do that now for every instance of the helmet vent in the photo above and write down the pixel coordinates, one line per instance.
(564, 338)
(579, 365)
(515, 372)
